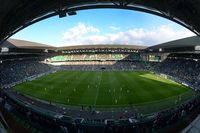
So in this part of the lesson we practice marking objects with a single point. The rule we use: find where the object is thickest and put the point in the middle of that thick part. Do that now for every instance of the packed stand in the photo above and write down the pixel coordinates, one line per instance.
(185, 70)
(16, 70)
(93, 57)
(105, 65)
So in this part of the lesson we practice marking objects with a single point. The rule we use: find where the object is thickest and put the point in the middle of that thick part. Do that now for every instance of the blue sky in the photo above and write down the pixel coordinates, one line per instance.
(104, 26)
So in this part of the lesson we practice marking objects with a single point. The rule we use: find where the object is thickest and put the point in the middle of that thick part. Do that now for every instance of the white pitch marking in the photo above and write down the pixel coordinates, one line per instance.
(98, 89)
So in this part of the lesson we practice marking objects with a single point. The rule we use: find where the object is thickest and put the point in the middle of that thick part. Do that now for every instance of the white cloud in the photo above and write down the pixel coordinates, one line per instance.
(81, 34)
(79, 30)
(114, 28)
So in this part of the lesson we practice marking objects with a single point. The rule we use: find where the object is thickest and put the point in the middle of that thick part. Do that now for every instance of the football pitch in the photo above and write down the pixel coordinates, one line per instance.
(145, 91)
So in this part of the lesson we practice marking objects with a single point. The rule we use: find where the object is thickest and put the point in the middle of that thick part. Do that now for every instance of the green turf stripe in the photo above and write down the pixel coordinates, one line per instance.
(139, 89)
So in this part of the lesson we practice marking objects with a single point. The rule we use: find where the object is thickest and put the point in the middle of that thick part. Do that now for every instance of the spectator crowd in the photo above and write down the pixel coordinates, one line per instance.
(182, 69)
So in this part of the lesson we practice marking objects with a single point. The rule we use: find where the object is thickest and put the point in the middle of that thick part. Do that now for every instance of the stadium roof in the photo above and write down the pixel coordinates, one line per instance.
(185, 44)
(15, 43)
(136, 47)
(18, 14)
(22, 44)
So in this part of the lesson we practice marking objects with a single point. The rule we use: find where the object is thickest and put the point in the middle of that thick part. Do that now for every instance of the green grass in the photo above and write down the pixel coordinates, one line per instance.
(144, 91)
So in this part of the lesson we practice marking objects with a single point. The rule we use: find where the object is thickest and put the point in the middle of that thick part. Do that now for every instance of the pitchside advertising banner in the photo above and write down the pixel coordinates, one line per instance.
(197, 48)
(163, 75)
(174, 79)
(4, 49)
(154, 58)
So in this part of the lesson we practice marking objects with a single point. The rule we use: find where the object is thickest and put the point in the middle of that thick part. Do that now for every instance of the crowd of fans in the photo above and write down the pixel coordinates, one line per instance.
(160, 120)
(172, 116)
(180, 68)
(17, 70)
(95, 56)
(185, 70)
(106, 65)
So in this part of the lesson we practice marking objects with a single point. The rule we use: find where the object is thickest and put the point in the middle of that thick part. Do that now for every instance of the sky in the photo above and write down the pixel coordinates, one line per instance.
(104, 26)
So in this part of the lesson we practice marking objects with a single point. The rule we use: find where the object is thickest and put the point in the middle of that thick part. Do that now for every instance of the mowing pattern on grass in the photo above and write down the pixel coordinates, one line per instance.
(105, 89)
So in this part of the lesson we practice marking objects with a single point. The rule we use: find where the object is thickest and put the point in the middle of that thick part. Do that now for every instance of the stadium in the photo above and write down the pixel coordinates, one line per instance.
(99, 88)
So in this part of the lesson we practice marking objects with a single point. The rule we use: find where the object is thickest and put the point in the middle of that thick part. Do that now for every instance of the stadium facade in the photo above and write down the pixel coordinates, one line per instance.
(22, 61)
